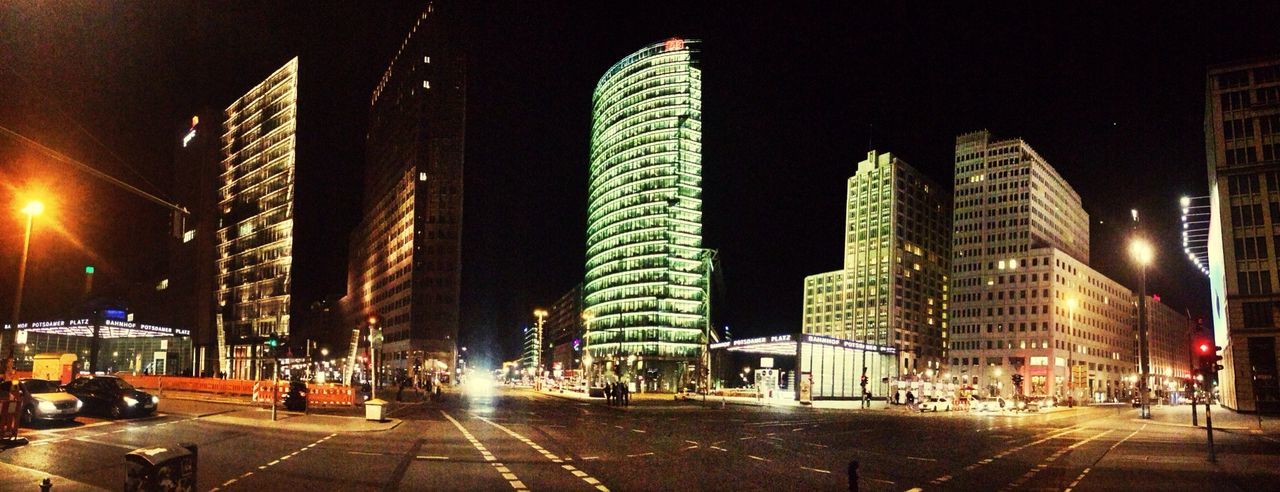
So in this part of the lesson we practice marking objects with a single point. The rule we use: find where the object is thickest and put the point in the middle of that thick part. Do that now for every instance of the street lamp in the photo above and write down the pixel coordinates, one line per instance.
(1072, 304)
(1143, 254)
(31, 209)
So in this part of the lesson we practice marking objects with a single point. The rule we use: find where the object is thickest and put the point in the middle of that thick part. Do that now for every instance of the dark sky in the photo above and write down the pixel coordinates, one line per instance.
(1111, 96)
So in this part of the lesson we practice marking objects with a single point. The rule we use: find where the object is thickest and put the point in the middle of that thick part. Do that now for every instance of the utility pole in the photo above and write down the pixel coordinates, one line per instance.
(1191, 364)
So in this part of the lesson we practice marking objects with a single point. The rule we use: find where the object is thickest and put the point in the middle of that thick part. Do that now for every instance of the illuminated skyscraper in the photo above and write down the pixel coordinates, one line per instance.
(405, 257)
(1242, 143)
(255, 229)
(897, 259)
(646, 275)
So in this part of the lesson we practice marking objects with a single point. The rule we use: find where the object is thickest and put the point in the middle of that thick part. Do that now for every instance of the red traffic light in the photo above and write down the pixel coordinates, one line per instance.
(1204, 348)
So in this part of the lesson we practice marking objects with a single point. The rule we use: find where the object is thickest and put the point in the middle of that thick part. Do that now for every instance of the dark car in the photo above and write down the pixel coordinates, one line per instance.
(112, 396)
(46, 400)
(296, 398)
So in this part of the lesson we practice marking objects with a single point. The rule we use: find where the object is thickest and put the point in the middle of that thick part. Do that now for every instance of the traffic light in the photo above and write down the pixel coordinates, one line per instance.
(1209, 358)
(1017, 382)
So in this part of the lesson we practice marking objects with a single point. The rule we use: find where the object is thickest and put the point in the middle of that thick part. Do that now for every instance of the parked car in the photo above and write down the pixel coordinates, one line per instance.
(112, 396)
(935, 404)
(296, 398)
(988, 404)
(46, 400)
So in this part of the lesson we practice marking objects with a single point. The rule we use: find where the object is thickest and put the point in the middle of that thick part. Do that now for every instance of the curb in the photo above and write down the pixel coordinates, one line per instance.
(1189, 426)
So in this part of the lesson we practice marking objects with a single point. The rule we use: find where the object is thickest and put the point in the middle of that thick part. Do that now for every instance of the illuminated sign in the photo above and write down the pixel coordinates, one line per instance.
(118, 314)
(195, 120)
(673, 44)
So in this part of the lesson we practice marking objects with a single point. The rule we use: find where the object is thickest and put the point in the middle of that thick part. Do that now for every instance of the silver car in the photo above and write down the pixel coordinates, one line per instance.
(46, 400)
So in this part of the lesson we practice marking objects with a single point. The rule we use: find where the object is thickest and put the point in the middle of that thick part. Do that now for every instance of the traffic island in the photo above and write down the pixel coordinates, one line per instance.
(302, 422)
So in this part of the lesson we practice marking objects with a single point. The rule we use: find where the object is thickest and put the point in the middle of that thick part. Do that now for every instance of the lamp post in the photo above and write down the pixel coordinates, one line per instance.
(1072, 303)
(32, 209)
(1142, 255)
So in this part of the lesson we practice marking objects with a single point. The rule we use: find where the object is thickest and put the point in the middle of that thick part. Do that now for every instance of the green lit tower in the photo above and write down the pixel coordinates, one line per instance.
(646, 288)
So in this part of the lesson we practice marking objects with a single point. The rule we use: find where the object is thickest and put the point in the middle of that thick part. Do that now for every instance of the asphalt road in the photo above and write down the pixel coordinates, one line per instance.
(521, 440)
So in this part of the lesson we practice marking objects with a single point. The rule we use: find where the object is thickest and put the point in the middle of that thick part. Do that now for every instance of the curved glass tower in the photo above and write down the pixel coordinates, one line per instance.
(646, 285)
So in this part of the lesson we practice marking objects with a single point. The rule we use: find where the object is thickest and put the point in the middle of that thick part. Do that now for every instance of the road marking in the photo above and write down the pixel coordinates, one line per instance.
(921, 459)
(746, 438)
(686, 448)
(1104, 454)
(546, 454)
(502, 469)
(754, 457)
(816, 445)
(691, 442)
(637, 430)
(1051, 458)
(421, 457)
(986, 461)
(815, 469)
(718, 448)
(590, 458)
(639, 455)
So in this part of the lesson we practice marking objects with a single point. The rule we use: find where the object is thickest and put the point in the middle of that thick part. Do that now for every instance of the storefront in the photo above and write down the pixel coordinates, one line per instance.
(835, 365)
(122, 345)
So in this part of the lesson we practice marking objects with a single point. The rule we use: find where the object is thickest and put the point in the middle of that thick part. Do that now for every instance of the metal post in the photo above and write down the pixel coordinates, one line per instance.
(1143, 352)
(275, 387)
(1191, 364)
(1208, 424)
(11, 335)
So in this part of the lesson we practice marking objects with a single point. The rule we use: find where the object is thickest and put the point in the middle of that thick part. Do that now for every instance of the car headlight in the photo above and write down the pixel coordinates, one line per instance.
(128, 400)
(79, 404)
(155, 399)
(47, 406)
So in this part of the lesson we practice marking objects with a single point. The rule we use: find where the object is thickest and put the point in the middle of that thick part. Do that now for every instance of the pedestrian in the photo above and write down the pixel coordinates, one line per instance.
(866, 399)
(608, 393)
(911, 400)
(626, 394)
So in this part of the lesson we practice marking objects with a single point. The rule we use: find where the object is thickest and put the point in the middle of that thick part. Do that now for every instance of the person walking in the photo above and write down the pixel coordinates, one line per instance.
(626, 394)
(608, 393)
(911, 400)
(866, 398)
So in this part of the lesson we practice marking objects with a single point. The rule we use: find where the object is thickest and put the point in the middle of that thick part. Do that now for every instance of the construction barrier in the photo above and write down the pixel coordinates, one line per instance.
(258, 391)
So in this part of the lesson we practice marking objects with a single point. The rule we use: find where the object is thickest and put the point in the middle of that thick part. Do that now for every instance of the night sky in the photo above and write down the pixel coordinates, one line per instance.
(1112, 97)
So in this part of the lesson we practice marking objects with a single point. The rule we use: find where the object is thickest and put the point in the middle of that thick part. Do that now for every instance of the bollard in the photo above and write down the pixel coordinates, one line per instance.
(46, 485)
(853, 475)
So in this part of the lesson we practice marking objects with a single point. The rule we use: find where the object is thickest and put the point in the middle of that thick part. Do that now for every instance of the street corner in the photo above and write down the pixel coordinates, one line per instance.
(302, 422)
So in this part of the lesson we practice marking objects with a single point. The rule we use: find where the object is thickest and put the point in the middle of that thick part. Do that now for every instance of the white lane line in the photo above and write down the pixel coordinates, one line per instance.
(815, 469)
(502, 469)
(757, 458)
(546, 454)
(590, 458)
(421, 457)
(718, 448)
(637, 430)
(639, 455)
(921, 459)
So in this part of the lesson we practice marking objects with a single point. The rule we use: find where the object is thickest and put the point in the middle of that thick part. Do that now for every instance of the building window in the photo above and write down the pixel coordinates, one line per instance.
(1258, 314)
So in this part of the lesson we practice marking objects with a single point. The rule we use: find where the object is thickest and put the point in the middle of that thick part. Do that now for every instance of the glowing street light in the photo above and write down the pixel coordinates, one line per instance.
(31, 209)
(1143, 254)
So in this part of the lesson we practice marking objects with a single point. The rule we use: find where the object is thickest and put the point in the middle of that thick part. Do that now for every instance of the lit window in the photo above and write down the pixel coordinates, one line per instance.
(422, 176)
(188, 236)
(426, 84)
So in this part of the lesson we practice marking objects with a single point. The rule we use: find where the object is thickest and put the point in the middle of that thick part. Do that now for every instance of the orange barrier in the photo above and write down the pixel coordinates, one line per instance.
(258, 391)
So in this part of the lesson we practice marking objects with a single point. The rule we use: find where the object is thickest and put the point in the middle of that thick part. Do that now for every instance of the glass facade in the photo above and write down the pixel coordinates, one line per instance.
(255, 226)
(645, 283)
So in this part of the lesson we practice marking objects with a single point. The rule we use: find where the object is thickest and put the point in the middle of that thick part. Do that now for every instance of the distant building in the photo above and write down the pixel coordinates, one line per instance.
(255, 228)
(531, 347)
(405, 256)
(1242, 145)
(892, 290)
(646, 274)
(562, 334)
(1169, 336)
(188, 290)
(1023, 297)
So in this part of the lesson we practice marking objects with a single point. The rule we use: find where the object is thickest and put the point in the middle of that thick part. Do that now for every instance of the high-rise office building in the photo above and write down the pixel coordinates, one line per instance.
(893, 289)
(646, 275)
(405, 256)
(255, 227)
(188, 293)
(1242, 145)
(1169, 340)
(1023, 297)
(562, 336)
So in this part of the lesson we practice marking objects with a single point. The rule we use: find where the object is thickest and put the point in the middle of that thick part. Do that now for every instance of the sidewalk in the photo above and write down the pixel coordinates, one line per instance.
(301, 422)
(1223, 419)
(13, 477)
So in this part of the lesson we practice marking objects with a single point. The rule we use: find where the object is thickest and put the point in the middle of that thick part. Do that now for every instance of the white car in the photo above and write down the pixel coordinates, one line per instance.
(936, 404)
(988, 405)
